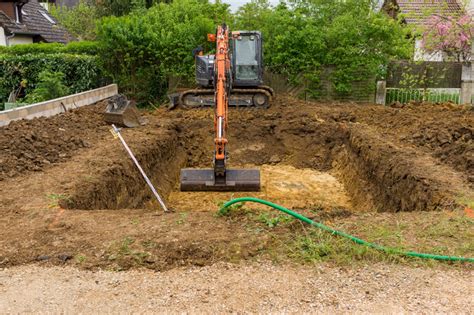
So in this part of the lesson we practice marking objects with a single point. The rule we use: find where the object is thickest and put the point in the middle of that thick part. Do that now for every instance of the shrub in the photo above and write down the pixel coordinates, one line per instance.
(80, 48)
(81, 72)
(143, 49)
(80, 20)
(50, 86)
(305, 37)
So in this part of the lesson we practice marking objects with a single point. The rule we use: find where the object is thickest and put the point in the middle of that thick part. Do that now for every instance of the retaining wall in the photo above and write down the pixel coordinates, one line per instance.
(58, 105)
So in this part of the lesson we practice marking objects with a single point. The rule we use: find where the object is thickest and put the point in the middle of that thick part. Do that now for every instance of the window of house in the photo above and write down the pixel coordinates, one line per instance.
(47, 17)
(17, 14)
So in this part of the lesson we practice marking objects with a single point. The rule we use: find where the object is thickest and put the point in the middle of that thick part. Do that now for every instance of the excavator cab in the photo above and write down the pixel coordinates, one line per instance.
(247, 58)
(246, 71)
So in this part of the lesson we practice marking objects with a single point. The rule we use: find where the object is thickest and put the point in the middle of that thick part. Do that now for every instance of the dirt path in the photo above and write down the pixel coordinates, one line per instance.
(256, 288)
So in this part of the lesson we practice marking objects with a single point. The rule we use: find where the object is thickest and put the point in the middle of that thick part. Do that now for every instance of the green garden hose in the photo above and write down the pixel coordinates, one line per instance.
(339, 233)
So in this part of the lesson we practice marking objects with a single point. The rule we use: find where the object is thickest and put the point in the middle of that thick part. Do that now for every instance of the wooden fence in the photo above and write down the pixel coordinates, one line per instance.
(361, 90)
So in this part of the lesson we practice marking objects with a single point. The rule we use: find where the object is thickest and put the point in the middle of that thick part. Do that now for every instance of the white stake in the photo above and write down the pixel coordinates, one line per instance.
(117, 132)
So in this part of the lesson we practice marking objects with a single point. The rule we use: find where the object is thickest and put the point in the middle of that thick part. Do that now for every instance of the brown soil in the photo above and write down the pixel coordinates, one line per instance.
(364, 156)
(32, 145)
(444, 131)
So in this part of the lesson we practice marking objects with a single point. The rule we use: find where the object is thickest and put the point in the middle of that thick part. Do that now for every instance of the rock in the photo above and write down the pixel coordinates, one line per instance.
(43, 258)
(64, 257)
(275, 159)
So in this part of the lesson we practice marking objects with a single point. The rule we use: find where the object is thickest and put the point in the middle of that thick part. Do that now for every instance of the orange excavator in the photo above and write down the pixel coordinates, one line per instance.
(220, 178)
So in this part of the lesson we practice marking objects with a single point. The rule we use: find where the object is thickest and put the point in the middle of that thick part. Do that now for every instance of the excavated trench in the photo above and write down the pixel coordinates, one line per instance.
(304, 161)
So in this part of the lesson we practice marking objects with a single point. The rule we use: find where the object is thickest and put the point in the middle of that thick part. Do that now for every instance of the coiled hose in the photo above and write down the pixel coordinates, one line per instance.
(345, 235)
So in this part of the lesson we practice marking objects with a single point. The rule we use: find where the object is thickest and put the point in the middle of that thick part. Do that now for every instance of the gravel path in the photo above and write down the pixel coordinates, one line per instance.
(223, 287)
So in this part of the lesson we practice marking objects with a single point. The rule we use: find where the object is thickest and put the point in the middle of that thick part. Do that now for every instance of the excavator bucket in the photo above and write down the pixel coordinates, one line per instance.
(122, 112)
(234, 180)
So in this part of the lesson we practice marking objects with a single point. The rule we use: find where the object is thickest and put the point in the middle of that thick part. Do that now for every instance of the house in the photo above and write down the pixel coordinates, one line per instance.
(26, 21)
(416, 13)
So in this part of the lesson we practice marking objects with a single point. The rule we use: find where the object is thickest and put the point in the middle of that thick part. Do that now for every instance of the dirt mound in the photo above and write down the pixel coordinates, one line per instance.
(384, 176)
(445, 131)
(453, 145)
(31, 145)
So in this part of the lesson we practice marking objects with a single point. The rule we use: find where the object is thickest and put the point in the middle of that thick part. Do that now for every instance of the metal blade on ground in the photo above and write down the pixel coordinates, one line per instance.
(235, 180)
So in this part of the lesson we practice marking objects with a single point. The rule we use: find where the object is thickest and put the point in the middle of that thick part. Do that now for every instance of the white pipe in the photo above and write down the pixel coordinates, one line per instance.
(7, 39)
(117, 131)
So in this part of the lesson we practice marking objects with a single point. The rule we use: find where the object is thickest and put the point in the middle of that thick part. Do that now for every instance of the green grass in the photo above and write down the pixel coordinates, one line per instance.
(467, 200)
(317, 246)
(182, 218)
(442, 233)
(228, 211)
(55, 199)
(271, 220)
(80, 259)
(128, 252)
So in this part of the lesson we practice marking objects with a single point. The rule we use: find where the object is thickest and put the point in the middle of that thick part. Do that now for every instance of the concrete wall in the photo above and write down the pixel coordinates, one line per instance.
(20, 39)
(59, 105)
(3, 39)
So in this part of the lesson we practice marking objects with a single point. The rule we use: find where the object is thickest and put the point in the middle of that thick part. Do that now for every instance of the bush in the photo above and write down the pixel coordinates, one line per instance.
(143, 49)
(80, 20)
(50, 86)
(80, 48)
(305, 37)
(81, 72)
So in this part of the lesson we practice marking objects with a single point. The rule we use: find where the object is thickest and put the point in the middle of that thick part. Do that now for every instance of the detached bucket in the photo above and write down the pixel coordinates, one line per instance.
(122, 112)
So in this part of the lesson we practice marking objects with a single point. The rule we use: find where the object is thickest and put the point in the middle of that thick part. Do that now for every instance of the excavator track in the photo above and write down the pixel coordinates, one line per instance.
(259, 97)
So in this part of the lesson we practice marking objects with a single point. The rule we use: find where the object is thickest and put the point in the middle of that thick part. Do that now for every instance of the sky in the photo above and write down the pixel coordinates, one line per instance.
(235, 4)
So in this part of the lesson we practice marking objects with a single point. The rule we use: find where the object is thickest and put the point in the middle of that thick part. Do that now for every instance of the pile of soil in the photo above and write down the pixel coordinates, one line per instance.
(32, 145)
(445, 131)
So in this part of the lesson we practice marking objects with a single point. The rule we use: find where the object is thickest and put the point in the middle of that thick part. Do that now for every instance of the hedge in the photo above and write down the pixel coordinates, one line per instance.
(81, 48)
(82, 72)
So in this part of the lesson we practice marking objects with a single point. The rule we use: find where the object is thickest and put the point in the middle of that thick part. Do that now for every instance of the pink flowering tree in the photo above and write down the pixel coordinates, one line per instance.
(450, 35)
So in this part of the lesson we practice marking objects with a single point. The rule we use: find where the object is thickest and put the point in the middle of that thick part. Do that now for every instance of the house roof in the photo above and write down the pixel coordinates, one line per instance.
(417, 12)
(35, 22)
(10, 25)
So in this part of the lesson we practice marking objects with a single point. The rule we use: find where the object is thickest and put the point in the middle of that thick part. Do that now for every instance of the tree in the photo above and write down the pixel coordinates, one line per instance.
(80, 21)
(451, 35)
(142, 50)
(307, 36)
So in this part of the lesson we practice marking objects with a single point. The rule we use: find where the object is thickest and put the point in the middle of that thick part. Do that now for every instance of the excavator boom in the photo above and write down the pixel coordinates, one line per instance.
(220, 178)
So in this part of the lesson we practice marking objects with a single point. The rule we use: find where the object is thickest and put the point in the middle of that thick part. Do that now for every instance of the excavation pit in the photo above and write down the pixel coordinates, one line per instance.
(327, 161)
(284, 184)
(306, 157)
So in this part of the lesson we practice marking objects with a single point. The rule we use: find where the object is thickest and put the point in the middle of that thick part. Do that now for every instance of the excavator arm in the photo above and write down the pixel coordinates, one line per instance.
(222, 86)
(220, 178)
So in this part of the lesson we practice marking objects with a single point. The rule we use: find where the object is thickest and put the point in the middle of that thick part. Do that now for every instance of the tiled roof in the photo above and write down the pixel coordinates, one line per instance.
(417, 11)
(35, 23)
(10, 25)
